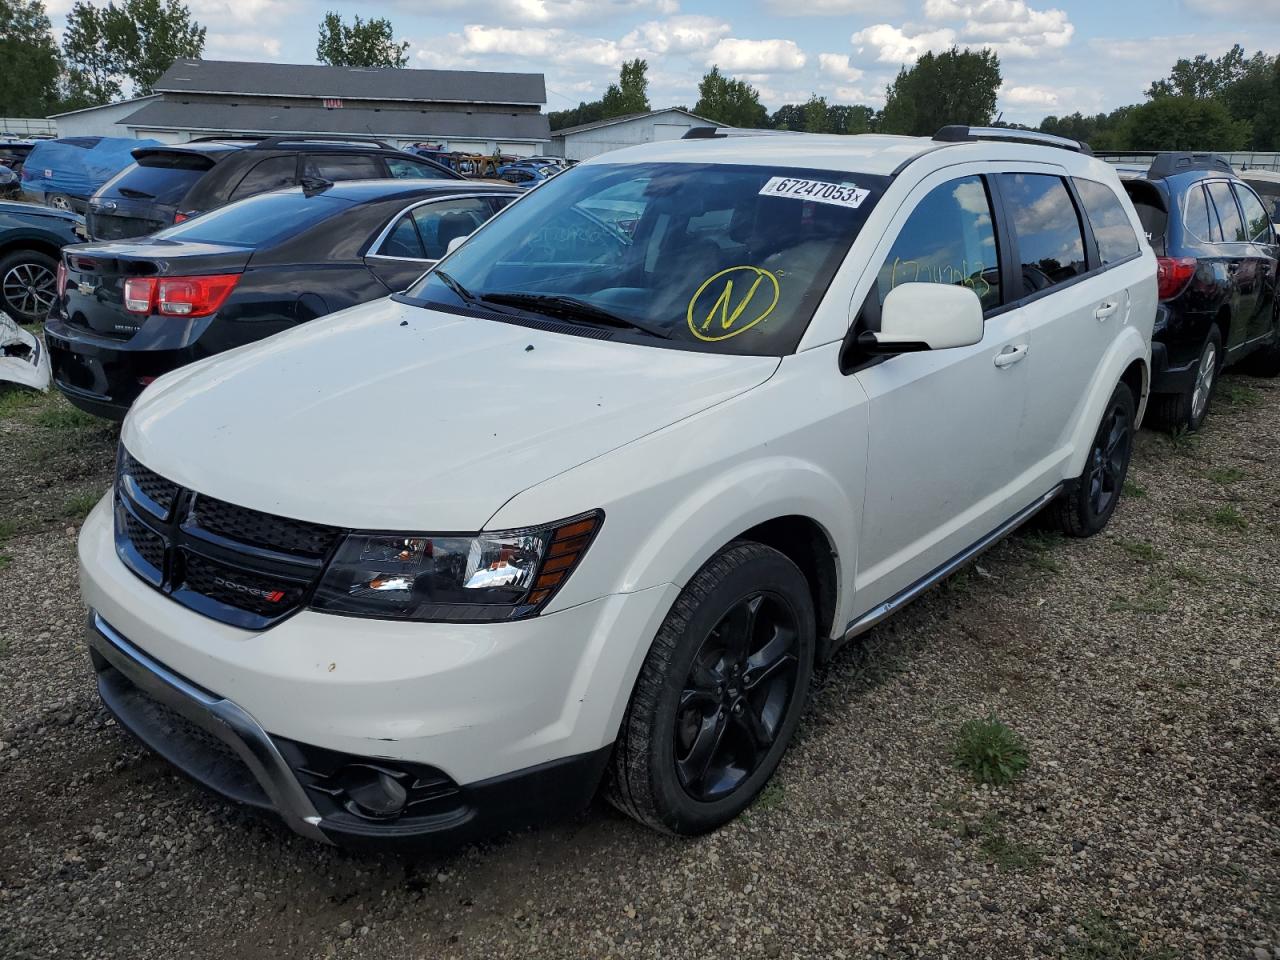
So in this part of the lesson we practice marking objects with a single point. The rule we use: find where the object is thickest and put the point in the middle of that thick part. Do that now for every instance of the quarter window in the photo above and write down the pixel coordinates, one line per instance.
(949, 239)
(270, 174)
(1045, 222)
(1199, 220)
(439, 223)
(1111, 226)
(403, 169)
(1228, 213)
(403, 241)
(1257, 220)
(336, 167)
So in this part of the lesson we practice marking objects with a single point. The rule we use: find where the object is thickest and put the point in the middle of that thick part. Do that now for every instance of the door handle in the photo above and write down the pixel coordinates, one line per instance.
(1106, 311)
(1011, 355)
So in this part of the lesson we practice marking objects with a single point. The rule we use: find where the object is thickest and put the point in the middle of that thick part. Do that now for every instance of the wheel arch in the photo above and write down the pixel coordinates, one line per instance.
(1126, 361)
(38, 244)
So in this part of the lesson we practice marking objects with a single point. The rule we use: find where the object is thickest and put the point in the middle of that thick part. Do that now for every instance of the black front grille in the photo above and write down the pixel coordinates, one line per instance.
(107, 226)
(262, 529)
(237, 565)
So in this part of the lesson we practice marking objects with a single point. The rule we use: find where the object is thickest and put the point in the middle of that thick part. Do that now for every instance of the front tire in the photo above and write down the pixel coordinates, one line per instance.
(27, 285)
(719, 695)
(1087, 503)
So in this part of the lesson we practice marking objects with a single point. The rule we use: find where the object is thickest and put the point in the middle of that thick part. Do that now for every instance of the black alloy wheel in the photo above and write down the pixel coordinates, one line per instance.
(28, 280)
(736, 695)
(1087, 503)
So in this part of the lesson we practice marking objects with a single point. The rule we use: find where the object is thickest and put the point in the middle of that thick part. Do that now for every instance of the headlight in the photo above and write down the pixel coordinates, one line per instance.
(485, 576)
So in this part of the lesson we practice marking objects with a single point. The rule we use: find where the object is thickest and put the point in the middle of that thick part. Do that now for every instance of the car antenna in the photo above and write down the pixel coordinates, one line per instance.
(313, 185)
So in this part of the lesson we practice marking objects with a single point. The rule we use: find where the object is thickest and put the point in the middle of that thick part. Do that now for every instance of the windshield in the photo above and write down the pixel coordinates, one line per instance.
(256, 220)
(722, 257)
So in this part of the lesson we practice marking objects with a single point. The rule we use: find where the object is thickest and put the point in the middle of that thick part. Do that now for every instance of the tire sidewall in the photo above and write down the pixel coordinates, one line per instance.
(1214, 336)
(777, 576)
(1095, 522)
(12, 260)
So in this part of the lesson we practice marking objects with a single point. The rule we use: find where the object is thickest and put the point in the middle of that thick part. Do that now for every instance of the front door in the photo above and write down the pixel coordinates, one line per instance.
(944, 424)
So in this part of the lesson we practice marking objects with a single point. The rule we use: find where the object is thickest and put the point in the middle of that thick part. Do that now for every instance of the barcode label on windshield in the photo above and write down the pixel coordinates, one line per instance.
(840, 194)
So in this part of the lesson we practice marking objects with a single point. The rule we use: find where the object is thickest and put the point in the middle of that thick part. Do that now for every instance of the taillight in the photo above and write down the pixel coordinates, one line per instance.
(138, 292)
(62, 279)
(1173, 274)
(194, 296)
(179, 216)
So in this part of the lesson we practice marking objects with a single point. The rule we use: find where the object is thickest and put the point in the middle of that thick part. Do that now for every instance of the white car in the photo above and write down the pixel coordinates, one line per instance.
(585, 505)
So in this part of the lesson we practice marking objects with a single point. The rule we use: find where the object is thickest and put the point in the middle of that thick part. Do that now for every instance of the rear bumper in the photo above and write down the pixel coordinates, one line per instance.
(216, 743)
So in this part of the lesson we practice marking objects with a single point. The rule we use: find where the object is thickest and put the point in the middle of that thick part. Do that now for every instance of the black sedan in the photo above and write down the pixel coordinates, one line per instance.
(128, 311)
(30, 238)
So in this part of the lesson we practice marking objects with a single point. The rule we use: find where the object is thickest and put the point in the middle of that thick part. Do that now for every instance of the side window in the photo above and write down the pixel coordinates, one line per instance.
(270, 174)
(499, 202)
(1257, 221)
(1047, 226)
(1228, 213)
(403, 241)
(403, 169)
(948, 238)
(1198, 219)
(351, 166)
(438, 223)
(1111, 226)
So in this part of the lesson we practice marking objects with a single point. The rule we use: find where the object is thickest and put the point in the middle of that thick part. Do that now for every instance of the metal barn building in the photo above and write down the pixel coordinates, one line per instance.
(589, 140)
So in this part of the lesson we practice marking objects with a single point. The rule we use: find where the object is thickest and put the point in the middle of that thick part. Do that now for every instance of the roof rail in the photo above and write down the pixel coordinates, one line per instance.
(229, 136)
(339, 138)
(1169, 164)
(960, 133)
(708, 133)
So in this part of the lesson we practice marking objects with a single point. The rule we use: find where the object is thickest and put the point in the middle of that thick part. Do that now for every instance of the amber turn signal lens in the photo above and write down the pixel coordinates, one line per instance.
(569, 542)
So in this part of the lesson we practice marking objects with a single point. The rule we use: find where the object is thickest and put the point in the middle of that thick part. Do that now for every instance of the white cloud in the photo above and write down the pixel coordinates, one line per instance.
(838, 66)
(756, 56)
(551, 43)
(241, 46)
(682, 34)
(1009, 27)
(832, 8)
(544, 11)
(892, 45)
(252, 13)
(1029, 96)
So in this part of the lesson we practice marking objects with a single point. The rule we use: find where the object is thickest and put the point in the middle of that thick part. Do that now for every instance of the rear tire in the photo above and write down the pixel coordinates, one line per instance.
(27, 281)
(1087, 503)
(1186, 411)
(719, 695)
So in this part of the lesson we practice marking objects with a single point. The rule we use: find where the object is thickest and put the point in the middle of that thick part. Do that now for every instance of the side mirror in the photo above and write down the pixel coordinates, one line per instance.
(926, 316)
(454, 244)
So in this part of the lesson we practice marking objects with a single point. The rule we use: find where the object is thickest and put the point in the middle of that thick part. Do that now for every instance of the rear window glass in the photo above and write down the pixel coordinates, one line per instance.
(1111, 226)
(161, 184)
(1257, 220)
(256, 220)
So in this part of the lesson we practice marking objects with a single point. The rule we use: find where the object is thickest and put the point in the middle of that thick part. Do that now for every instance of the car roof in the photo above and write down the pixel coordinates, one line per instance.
(368, 191)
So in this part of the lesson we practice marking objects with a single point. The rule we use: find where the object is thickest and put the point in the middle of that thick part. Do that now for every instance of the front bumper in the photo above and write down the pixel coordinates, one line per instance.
(517, 717)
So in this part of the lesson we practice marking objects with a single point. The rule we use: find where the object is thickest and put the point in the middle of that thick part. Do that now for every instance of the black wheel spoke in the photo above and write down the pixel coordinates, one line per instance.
(758, 735)
(766, 664)
(706, 743)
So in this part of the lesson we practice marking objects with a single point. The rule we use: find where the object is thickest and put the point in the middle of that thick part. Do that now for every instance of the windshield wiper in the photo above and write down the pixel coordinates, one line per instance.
(573, 309)
(463, 293)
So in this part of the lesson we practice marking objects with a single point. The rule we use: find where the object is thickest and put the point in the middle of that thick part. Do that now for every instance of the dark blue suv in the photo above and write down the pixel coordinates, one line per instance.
(1217, 250)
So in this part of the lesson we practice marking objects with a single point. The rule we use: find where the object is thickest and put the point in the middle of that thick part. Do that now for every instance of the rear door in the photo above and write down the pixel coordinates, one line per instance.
(1262, 245)
(1237, 262)
(944, 425)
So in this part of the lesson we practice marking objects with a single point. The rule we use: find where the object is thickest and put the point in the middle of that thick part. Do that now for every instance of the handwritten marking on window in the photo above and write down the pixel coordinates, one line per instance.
(912, 271)
(755, 297)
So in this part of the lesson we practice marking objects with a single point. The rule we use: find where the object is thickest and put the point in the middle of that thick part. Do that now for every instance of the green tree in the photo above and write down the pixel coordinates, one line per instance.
(584, 112)
(148, 35)
(816, 115)
(29, 62)
(843, 118)
(1201, 76)
(1184, 123)
(630, 93)
(789, 116)
(365, 43)
(954, 86)
(93, 63)
(734, 102)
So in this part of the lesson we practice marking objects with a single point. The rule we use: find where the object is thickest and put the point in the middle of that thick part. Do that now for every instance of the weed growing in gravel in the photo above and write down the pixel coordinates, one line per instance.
(1140, 549)
(1101, 938)
(1190, 574)
(1228, 518)
(1133, 490)
(990, 751)
(1238, 395)
(78, 506)
(1226, 475)
(13, 401)
(1183, 441)
(1153, 598)
(7, 529)
(1039, 543)
(65, 417)
(771, 797)
(1008, 854)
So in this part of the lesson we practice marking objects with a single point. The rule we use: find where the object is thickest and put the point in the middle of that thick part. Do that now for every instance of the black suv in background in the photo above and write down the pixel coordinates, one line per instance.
(172, 183)
(1216, 248)
(127, 311)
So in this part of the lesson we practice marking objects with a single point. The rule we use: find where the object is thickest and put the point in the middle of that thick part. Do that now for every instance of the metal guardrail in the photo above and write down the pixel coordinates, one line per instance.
(1240, 159)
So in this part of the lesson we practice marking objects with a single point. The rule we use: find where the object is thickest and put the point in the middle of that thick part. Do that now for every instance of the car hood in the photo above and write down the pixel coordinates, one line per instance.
(395, 417)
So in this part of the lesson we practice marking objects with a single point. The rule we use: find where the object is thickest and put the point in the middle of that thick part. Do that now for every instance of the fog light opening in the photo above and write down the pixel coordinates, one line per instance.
(373, 793)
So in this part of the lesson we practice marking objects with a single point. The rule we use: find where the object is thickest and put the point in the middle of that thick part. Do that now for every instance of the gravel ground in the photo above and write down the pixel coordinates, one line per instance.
(1140, 667)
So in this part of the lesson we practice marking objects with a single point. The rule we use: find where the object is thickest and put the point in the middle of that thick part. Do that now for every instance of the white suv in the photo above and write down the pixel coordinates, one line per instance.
(587, 502)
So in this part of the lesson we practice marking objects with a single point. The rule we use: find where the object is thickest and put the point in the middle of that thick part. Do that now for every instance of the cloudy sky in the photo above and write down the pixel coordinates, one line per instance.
(1086, 56)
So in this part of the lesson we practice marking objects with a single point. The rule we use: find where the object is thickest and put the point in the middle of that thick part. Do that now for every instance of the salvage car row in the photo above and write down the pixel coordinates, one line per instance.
(582, 507)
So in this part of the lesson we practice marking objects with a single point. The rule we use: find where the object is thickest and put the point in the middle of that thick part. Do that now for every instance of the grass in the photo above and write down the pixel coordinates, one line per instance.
(1008, 854)
(771, 797)
(1139, 549)
(65, 417)
(1133, 490)
(1040, 544)
(7, 529)
(1182, 440)
(1228, 518)
(989, 751)
(1101, 938)
(1153, 598)
(1190, 574)
(1238, 395)
(14, 401)
(1226, 475)
(77, 507)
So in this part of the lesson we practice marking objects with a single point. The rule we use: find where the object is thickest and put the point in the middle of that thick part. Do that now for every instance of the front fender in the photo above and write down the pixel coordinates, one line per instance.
(1127, 348)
